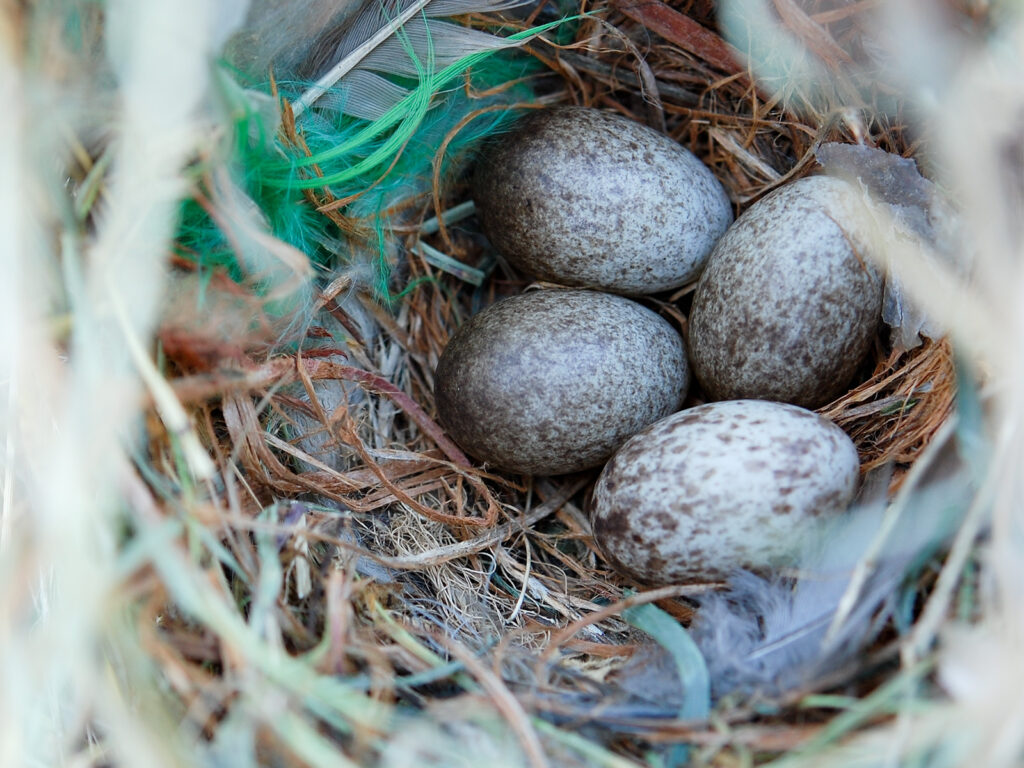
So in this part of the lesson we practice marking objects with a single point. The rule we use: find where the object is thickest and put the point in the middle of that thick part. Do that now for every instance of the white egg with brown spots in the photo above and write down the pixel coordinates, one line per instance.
(553, 381)
(789, 303)
(719, 487)
(592, 199)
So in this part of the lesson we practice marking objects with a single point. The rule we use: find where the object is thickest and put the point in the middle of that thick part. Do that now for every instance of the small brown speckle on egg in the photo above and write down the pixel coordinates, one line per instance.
(554, 381)
(592, 199)
(739, 503)
(787, 306)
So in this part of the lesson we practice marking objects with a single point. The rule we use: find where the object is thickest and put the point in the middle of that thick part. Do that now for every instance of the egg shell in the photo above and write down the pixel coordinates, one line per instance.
(789, 303)
(553, 381)
(586, 198)
(719, 487)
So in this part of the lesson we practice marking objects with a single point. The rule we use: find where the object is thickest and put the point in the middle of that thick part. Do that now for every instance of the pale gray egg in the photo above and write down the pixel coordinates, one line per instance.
(554, 381)
(587, 198)
(722, 486)
(790, 302)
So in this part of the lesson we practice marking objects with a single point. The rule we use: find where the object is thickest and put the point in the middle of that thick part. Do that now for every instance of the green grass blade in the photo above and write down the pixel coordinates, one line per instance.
(693, 671)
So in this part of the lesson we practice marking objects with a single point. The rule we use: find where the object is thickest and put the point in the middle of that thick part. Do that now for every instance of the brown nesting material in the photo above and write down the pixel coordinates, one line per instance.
(505, 562)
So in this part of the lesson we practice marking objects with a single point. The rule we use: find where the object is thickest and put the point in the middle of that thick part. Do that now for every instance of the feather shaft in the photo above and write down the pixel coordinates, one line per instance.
(408, 112)
(350, 62)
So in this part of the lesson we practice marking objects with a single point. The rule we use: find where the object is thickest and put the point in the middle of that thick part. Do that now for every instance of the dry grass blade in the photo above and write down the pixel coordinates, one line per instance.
(495, 536)
(507, 703)
(894, 414)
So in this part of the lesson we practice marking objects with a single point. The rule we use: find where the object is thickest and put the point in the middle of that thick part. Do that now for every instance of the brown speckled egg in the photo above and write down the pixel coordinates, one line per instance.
(554, 381)
(789, 303)
(587, 198)
(719, 487)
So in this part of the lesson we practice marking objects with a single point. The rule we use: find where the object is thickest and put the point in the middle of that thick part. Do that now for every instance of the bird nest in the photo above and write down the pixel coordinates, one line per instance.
(470, 602)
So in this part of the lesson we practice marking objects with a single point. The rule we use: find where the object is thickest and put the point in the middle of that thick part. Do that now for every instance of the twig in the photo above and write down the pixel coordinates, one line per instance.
(453, 215)
(448, 264)
(683, 31)
(669, 92)
(812, 34)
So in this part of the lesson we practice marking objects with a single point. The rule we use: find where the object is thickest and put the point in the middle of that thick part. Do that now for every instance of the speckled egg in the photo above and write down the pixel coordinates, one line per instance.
(587, 198)
(554, 381)
(718, 487)
(789, 303)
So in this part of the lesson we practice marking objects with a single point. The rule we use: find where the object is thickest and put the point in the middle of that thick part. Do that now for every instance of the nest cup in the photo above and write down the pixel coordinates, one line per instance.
(377, 595)
(899, 398)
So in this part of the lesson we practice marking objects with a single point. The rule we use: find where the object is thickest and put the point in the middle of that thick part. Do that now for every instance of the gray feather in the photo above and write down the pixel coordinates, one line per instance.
(332, 42)
(917, 206)
(775, 634)
(365, 95)
(395, 38)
